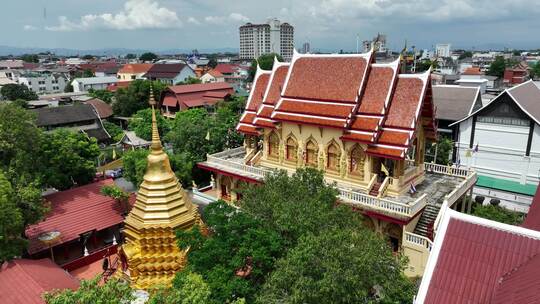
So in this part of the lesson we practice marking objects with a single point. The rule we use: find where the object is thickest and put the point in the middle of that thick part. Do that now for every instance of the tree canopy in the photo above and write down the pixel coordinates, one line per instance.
(497, 67)
(498, 213)
(148, 56)
(135, 97)
(15, 91)
(31, 58)
(266, 62)
(105, 95)
(237, 243)
(91, 291)
(68, 158)
(190, 80)
(141, 123)
(466, 54)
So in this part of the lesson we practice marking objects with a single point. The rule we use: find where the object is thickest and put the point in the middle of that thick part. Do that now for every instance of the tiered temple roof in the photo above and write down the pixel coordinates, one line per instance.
(371, 103)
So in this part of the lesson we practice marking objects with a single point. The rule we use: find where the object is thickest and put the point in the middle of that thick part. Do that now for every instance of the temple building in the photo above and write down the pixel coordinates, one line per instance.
(366, 126)
(150, 255)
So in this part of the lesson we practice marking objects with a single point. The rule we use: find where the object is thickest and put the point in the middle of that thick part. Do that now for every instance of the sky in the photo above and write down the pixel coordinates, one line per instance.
(326, 24)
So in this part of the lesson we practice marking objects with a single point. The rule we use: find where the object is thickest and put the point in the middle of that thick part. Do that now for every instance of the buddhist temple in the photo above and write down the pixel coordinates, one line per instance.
(150, 255)
(366, 125)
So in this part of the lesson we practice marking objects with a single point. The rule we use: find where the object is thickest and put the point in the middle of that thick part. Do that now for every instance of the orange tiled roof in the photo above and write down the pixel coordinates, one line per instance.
(371, 103)
(135, 68)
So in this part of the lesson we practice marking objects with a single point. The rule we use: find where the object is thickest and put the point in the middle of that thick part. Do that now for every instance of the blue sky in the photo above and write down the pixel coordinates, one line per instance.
(326, 24)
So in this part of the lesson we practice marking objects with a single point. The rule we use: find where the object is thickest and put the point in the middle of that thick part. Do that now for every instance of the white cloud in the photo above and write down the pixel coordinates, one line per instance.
(29, 27)
(136, 14)
(193, 20)
(233, 17)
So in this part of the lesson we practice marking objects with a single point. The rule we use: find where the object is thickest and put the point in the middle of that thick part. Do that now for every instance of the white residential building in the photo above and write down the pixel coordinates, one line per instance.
(501, 141)
(270, 37)
(95, 83)
(43, 84)
(442, 50)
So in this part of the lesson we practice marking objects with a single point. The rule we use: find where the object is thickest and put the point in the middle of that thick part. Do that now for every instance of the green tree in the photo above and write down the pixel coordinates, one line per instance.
(443, 147)
(135, 97)
(134, 163)
(120, 196)
(141, 123)
(235, 259)
(148, 56)
(535, 71)
(12, 241)
(130, 56)
(424, 65)
(338, 266)
(499, 214)
(298, 205)
(266, 62)
(91, 291)
(497, 67)
(31, 58)
(189, 288)
(15, 91)
(115, 131)
(88, 57)
(21, 103)
(190, 80)
(212, 63)
(69, 158)
(105, 95)
(466, 54)
(68, 88)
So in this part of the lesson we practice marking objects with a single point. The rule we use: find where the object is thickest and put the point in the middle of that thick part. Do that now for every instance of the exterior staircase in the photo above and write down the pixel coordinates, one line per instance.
(375, 189)
(424, 227)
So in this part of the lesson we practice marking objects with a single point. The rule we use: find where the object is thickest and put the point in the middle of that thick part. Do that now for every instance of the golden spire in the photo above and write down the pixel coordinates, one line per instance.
(161, 207)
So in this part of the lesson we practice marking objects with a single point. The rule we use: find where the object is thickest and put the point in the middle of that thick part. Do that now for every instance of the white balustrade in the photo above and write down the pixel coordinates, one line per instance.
(448, 170)
(418, 240)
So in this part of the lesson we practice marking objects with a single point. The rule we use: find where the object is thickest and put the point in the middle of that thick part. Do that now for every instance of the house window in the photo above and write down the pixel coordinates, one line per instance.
(292, 149)
(132, 77)
(273, 145)
(311, 154)
(333, 154)
(357, 161)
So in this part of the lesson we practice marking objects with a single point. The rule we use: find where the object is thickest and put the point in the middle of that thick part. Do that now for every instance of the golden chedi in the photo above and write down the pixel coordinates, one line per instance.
(150, 255)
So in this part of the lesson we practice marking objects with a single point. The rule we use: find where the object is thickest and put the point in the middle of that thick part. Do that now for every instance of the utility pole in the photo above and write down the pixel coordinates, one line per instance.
(357, 43)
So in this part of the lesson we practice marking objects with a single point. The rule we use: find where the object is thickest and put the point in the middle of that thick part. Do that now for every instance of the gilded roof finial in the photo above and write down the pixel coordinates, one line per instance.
(156, 141)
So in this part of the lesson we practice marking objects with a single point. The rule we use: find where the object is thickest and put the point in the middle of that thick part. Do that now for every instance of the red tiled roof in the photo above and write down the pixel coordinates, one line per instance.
(472, 71)
(24, 281)
(326, 78)
(532, 221)
(120, 84)
(76, 211)
(200, 87)
(405, 103)
(226, 68)
(254, 101)
(135, 68)
(196, 95)
(215, 73)
(104, 110)
(481, 261)
(379, 82)
(520, 285)
(346, 92)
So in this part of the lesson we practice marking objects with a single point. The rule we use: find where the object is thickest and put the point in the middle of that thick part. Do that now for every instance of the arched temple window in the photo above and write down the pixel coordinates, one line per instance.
(311, 154)
(292, 149)
(357, 160)
(273, 145)
(333, 154)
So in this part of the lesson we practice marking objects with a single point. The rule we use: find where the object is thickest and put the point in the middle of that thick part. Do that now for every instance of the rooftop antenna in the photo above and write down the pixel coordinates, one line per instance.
(357, 43)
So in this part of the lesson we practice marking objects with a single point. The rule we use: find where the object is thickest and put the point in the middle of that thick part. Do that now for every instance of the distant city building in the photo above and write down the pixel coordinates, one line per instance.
(270, 37)
(133, 71)
(442, 50)
(427, 54)
(516, 74)
(306, 48)
(378, 43)
(182, 97)
(43, 83)
(95, 83)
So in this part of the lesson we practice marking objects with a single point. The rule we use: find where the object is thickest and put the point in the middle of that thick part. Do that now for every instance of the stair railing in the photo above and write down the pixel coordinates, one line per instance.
(383, 187)
(372, 182)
